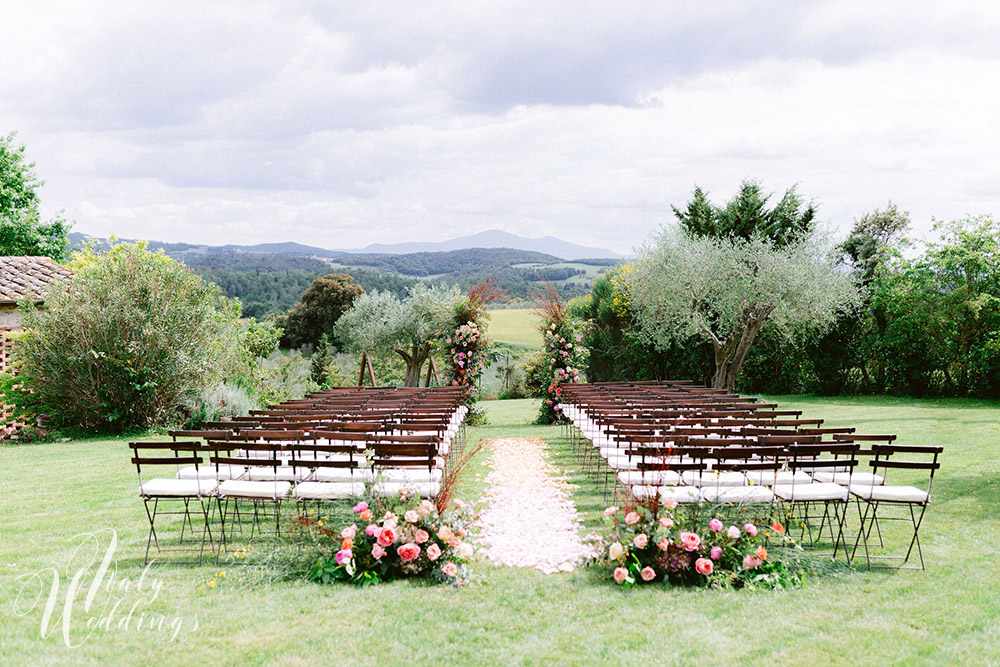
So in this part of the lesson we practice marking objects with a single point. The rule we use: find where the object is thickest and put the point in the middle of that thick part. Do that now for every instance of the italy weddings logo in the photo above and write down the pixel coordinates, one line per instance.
(89, 597)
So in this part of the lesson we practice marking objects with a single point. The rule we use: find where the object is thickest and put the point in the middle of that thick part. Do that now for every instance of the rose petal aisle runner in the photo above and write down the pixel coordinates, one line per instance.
(529, 518)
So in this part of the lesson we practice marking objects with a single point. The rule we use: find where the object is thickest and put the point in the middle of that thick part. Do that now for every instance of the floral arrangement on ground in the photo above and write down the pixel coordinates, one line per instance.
(648, 545)
(405, 538)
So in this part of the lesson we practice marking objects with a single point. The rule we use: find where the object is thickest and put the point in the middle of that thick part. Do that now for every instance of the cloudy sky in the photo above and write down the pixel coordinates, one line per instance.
(341, 124)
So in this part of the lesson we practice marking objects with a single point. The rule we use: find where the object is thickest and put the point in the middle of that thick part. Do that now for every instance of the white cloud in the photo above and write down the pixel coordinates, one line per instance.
(341, 125)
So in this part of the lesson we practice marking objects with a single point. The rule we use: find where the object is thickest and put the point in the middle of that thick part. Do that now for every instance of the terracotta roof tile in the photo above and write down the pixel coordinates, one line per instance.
(28, 277)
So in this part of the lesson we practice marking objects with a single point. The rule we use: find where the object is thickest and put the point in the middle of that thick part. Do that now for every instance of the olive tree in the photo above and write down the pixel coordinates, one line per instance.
(379, 323)
(724, 290)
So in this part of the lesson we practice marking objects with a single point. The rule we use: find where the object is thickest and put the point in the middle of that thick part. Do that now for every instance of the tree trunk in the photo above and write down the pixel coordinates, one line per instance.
(731, 353)
(414, 359)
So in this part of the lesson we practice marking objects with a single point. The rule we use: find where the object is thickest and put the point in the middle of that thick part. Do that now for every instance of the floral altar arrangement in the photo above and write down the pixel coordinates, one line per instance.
(644, 547)
(466, 346)
(564, 354)
(410, 539)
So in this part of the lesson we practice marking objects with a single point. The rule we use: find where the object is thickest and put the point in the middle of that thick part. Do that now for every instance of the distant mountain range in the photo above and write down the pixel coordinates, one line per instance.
(493, 238)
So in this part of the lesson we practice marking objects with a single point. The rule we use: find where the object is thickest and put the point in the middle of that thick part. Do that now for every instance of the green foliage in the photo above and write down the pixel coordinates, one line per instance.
(688, 288)
(128, 342)
(219, 401)
(270, 284)
(380, 324)
(328, 298)
(746, 216)
(618, 351)
(22, 232)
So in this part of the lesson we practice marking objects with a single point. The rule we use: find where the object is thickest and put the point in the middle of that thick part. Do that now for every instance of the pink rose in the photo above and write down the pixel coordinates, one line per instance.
(411, 516)
(750, 529)
(458, 503)
(690, 541)
(670, 502)
(377, 552)
(434, 552)
(421, 536)
(610, 511)
(704, 566)
(387, 536)
(621, 574)
(343, 556)
(455, 542)
(349, 532)
(733, 533)
(716, 553)
(426, 507)
(640, 541)
(715, 525)
(450, 569)
(631, 518)
(408, 552)
(663, 544)
(371, 530)
(666, 522)
(750, 562)
(648, 573)
(360, 507)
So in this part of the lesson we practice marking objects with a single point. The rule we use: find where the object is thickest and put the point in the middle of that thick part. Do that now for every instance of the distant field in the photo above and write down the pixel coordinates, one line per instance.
(515, 326)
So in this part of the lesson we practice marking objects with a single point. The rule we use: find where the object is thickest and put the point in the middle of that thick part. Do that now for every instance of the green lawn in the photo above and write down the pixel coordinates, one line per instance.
(947, 615)
(515, 326)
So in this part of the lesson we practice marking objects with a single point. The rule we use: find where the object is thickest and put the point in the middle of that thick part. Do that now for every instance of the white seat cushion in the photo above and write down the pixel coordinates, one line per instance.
(651, 477)
(284, 473)
(211, 472)
(641, 492)
(178, 487)
(904, 494)
(710, 478)
(408, 474)
(862, 478)
(329, 490)
(247, 489)
(772, 477)
(737, 494)
(389, 489)
(811, 492)
(343, 475)
(682, 494)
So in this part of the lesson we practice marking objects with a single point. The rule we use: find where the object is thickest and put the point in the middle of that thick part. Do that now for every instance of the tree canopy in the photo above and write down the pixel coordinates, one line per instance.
(380, 323)
(130, 340)
(22, 232)
(746, 215)
(686, 286)
(322, 304)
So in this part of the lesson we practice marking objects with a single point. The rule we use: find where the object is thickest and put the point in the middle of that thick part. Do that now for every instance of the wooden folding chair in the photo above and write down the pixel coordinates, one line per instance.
(166, 490)
(880, 500)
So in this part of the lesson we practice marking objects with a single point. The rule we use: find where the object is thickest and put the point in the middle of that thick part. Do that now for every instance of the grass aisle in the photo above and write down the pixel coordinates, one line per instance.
(529, 519)
(947, 615)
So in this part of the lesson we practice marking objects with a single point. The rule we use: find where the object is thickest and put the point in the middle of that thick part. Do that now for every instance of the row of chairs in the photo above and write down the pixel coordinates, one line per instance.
(651, 442)
(229, 473)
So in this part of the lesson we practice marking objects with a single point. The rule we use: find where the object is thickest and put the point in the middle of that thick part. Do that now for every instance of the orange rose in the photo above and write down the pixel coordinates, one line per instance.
(761, 552)
(445, 534)
(366, 515)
